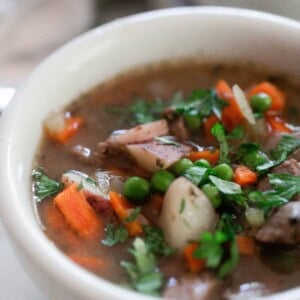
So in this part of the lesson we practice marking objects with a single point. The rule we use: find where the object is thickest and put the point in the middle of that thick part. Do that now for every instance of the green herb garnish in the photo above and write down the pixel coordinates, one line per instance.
(285, 185)
(134, 214)
(166, 140)
(43, 185)
(286, 145)
(226, 187)
(213, 247)
(182, 206)
(218, 131)
(143, 273)
(155, 241)
(114, 235)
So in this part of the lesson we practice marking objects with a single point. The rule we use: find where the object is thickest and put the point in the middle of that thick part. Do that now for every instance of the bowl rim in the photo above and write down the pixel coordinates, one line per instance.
(80, 276)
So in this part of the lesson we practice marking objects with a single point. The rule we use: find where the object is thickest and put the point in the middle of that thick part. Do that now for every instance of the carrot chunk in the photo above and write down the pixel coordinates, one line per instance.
(211, 155)
(78, 213)
(277, 124)
(246, 245)
(90, 262)
(61, 129)
(277, 96)
(208, 124)
(244, 176)
(123, 210)
(194, 264)
(231, 114)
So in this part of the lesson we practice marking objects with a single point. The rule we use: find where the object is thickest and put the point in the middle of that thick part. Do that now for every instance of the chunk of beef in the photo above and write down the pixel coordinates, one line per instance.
(179, 130)
(156, 155)
(283, 226)
(290, 166)
(204, 287)
(296, 155)
(140, 133)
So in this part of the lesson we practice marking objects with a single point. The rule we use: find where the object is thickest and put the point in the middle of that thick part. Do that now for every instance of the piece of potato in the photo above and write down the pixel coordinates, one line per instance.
(186, 213)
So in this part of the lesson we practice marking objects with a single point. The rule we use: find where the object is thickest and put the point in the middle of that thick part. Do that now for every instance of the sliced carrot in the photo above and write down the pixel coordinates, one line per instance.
(78, 213)
(277, 124)
(123, 210)
(244, 176)
(91, 263)
(208, 124)
(157, 201)
(231, 114)
(246, 245)
(195, 265)
(277, 96)
(211, 155)
(70, 128)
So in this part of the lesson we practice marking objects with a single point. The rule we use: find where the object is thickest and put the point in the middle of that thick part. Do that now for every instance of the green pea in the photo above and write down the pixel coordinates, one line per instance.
(181, 165)
(136, 190)
(212, 194)
(192, 121)
(260, 102)
(223, 171)
(161, 180)
(202, 163)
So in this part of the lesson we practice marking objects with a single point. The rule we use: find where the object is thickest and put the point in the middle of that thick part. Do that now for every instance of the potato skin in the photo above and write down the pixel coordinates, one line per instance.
(186, 213)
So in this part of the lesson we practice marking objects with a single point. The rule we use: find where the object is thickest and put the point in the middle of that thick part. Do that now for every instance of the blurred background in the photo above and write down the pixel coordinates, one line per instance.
(31, 29)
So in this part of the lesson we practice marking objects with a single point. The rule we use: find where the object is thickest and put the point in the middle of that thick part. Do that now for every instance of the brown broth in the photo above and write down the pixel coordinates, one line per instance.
(157, 81)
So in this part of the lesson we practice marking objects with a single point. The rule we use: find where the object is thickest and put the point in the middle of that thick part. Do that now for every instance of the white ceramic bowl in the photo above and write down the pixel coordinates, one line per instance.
(213, 34)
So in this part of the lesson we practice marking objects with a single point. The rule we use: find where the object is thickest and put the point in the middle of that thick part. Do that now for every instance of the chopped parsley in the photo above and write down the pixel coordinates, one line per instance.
(225, 186)
(143, 273)
(201, 103)
(114, 235)
(219, 249)
(285, 185)
(155, 241)
(134, 214)
(182, 206)
(166, 140)
(218, 131)
(43, 185)
(286, 145)
(197, 175)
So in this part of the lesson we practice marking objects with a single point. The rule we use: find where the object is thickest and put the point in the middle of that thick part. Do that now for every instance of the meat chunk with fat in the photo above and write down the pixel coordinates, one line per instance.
(192, 287)
(283, 226)
(140, 133)
(154, 155)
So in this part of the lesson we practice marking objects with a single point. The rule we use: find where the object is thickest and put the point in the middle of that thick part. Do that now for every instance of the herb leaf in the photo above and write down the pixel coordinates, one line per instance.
(114, 235)
(266, 200)
(286, 185)
(226, 187)
(166, 140)
(43, 185)
(155, 241)
(143, 274)
(134, 214)
(218, 131)
(286, 145)
(196, 175)
(213, 247)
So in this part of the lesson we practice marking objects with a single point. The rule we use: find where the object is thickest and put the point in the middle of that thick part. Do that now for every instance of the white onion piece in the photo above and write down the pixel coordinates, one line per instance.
(55, 122)
(243, 104)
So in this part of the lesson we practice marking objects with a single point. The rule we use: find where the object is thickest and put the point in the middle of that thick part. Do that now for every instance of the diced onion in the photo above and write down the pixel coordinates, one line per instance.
(243, 104)
(55, 122)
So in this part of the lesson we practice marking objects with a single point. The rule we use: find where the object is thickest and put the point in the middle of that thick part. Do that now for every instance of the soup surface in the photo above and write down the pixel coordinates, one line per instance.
(206, 194)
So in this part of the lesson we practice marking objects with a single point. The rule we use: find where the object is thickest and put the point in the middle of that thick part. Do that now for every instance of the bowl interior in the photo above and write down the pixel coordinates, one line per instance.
(210, 34)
